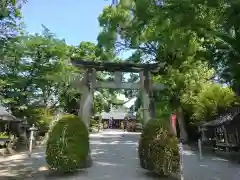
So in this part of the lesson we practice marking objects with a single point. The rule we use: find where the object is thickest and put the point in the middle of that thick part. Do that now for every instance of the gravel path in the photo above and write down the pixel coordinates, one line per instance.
(210, 168)
(115, 158)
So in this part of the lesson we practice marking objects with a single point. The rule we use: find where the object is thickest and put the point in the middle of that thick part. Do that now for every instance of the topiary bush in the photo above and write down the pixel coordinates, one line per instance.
(67, 145)
(158, 149)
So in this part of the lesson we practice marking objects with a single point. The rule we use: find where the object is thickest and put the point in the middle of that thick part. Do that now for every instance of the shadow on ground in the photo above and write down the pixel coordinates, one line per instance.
(232, 156)
(114, 158)
(20, 166)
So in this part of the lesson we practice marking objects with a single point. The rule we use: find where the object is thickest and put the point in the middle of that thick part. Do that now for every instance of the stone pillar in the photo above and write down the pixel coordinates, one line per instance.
(226, 138)
(204, 137)
(86, 101)
(118, 78)
(86, 104)
(145, 98)
(149, 86)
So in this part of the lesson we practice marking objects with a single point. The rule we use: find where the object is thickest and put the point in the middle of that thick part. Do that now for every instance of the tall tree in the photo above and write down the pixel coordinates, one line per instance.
(9, 15)
(33, 74)
(216, 25)
(142, 27)
(156, 32)
(102, 97)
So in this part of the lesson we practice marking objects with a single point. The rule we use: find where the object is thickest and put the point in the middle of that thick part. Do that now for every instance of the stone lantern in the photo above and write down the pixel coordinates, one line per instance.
(32, 129)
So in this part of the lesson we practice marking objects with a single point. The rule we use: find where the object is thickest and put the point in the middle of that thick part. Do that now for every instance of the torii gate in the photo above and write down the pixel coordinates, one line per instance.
(89, 83)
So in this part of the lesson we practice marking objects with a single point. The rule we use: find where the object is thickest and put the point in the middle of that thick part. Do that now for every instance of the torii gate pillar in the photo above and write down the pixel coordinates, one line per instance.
(146, 90)
(89, 83)
(86, 101)
(145, 97)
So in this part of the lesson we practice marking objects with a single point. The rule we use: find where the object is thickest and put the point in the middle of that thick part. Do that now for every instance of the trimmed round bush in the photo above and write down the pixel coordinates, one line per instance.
(158, 149)
(67, 145)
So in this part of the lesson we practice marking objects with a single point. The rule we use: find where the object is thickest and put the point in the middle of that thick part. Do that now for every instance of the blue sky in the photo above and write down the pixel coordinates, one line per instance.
(73, 20)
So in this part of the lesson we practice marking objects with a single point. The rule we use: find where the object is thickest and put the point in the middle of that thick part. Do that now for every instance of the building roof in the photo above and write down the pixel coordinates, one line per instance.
(225, 118)
(119, 113)
(6, 116)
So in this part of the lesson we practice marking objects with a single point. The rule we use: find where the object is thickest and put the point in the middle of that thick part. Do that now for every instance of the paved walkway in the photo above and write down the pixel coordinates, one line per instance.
(115, 158)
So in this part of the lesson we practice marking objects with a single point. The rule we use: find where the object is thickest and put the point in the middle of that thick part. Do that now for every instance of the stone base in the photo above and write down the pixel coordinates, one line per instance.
(88, 163)
(175, 176)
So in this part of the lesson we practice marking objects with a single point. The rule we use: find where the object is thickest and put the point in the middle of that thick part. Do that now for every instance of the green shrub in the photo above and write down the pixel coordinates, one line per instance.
(68, 145)
(93, 123)
(4, 135)
(158, 149)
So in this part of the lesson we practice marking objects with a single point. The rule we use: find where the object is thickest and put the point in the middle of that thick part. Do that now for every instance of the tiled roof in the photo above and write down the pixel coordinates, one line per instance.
(115, 113)
(225, 118)
(119, 113)
(6, 116)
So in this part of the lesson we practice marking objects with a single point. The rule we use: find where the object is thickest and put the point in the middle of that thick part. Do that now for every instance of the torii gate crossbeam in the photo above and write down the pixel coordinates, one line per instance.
(90, 82)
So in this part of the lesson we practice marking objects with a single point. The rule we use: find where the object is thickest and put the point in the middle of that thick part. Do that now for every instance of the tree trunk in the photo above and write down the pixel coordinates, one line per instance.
(181, 122)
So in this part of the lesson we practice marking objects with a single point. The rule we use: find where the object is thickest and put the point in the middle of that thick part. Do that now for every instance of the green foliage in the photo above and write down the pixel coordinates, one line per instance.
(68, 144)
(217, 22)
(33, 71)
(93, 122)
(98, 103)
(216, 26)
(3, 135)
(195, 43)
(162, 110)
(35, 74)
(158, 149)
(41, 117)
(10, 9)
(196, 40)
(9, 15)
(70, 98)
(211, 100)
